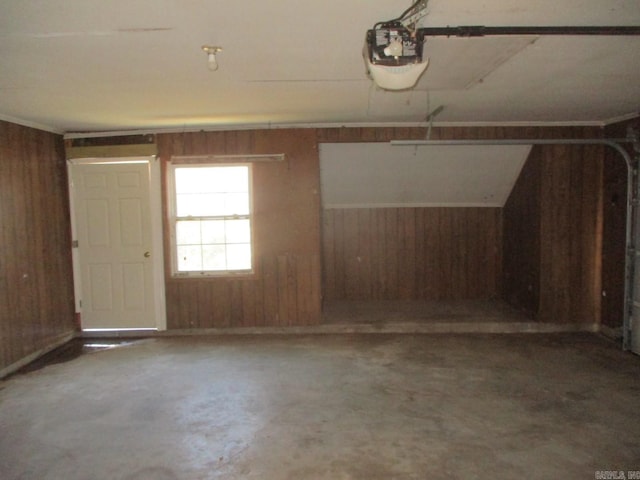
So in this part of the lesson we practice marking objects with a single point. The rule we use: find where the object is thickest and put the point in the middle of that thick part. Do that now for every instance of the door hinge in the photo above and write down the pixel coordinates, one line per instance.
(74, 244)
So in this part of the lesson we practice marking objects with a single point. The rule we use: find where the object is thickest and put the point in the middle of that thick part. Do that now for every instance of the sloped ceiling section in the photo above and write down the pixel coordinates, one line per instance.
(89, 65)
(377, 175)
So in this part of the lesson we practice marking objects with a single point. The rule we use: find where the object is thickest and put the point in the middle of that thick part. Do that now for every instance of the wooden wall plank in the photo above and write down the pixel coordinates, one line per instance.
(315, 299)
(431, 217)
(292, 290)
(592, 198)
(495, 242)
(260, 306)
(555, 233)
(578, 305)
(351, 264)
(559, 189)
(374, 252)
(381, 287)
(470, 271)
(391, 270)
(391, 256)
(364, 252)
(445, 255)
(270, 291)
(304, 288)
(6, 355)
(188, 311)
(339, 253)
(521, 238)
(420, 258)
(204, 306)
(407, 254)
(283, 290)
(459, 260)
(36, 298)
(236, 300)
(328, 252)
(221, 303)
(248, 307)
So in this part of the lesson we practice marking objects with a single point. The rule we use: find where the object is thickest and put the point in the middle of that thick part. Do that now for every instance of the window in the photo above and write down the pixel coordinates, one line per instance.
(210, 219)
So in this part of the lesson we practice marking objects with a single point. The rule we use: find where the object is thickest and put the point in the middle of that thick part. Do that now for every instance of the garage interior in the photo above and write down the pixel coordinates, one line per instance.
(414, 309)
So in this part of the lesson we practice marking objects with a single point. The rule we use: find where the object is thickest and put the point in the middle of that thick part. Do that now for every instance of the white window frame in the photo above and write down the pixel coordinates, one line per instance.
(172, 210)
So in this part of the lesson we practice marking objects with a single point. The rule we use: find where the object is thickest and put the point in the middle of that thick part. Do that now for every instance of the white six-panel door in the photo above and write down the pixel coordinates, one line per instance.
(115, 254)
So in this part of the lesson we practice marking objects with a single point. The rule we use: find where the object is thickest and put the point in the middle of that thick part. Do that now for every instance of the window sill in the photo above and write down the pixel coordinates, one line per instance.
(243, 275)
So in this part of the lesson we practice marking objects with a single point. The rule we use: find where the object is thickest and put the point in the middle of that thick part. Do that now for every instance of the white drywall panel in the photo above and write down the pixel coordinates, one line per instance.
(363, 175)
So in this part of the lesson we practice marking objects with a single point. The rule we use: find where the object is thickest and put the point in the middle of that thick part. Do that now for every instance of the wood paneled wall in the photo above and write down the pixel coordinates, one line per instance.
(614, 210)
(550, 242)
(521, 245)
(552, 235)
(552, 230)
(36, 285)
(285, 289)
(411, 253)
(369, 254)
(570, 234)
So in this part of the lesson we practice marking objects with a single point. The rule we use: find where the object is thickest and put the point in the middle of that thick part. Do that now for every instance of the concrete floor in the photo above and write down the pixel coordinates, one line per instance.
(328, 407)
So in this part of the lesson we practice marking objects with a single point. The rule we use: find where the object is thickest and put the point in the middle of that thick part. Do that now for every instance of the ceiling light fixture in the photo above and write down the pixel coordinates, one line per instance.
(211, 51)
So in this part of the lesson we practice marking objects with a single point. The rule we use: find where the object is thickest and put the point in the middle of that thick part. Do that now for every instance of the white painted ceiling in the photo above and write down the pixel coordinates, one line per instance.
(87, 65)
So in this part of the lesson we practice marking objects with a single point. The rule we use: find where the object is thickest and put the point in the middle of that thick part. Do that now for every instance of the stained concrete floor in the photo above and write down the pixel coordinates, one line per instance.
(328, 407)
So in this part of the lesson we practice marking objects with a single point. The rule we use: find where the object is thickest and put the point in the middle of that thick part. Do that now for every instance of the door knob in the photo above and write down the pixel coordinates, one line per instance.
(147, 254)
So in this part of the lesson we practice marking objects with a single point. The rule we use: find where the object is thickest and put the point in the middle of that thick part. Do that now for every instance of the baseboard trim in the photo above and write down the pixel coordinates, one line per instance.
(56, 342)
(614, 333)
(399, 328)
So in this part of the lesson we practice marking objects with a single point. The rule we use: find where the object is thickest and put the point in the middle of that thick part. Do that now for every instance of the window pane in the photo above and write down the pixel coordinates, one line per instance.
(239, 257)
(212, 179)
(233, 179)
(189, 258)
(237, 204)
(188, 233)
(190, 180)
(212, 245)
(212, 204)
(214, 257)
(201, 204)
(238, 231)
(213, 232)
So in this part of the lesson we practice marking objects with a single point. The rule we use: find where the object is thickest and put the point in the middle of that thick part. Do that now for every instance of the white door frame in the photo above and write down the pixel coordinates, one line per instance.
(155, 203)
